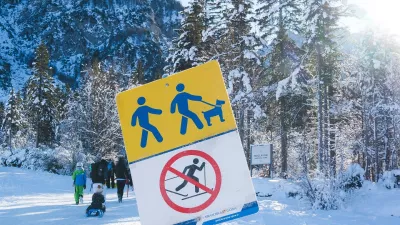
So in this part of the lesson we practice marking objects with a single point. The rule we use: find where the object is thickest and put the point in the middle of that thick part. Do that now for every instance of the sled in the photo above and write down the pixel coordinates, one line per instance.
(94, 213)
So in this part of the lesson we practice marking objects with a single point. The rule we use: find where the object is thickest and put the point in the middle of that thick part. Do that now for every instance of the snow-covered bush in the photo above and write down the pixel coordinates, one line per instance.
(390, 179)
(331, 193)
(322, 193)
(352, 178)
(14, 159)
(51, 160)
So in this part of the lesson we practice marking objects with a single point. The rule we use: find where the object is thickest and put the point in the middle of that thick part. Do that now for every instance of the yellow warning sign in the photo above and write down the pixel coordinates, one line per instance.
(175, 111)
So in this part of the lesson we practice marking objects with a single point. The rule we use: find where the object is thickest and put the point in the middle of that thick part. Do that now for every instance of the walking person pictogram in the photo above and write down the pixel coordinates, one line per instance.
(191, 170)
(181, 101)
(142, 114)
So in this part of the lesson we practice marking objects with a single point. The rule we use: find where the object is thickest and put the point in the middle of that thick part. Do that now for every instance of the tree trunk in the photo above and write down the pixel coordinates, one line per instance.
(249, 141)
(282, 100)
(326, 131)
(394, 151)
(320, 113)
(332, 139)
(284, 149)
(241, 131)
(387, 148)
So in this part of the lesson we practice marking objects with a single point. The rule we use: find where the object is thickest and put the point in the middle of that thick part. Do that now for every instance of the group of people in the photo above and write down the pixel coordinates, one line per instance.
(102, 174)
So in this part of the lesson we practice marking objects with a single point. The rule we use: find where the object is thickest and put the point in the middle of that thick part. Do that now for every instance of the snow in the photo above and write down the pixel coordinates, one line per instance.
(32, 197)
(283, 84)
(29, 197)
(377, 64)
(36, 100)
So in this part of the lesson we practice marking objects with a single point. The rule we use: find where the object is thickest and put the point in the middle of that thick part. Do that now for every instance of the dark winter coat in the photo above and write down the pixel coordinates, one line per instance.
(97, 201)
(99, 172)
(121, 171)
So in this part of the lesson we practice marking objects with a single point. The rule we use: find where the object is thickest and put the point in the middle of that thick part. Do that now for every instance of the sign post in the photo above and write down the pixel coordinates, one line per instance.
(178, 132)
(261, 155)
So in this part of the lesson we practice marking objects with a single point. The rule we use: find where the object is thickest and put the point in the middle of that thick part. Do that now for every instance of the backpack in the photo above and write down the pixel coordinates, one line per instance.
(109, 166)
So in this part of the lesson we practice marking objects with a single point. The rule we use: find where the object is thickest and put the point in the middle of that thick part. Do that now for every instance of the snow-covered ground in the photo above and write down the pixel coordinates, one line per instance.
(31, 197)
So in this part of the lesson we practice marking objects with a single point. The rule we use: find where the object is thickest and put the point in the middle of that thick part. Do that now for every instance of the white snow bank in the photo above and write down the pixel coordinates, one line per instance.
(34, 197)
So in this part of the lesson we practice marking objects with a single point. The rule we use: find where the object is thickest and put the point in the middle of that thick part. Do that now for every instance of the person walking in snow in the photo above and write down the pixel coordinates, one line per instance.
(121, 174)
(110, 174)
(98, 200)
(79, 178)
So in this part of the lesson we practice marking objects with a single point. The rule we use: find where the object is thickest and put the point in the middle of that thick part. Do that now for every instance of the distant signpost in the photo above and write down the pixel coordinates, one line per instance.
(261, 155)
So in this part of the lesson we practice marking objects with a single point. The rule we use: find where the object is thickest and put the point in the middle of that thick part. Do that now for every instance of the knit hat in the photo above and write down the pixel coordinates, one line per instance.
(79, 165)
(99, 189)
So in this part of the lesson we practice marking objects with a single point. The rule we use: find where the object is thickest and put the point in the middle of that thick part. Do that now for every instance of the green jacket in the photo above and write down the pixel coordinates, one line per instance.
(79, 177)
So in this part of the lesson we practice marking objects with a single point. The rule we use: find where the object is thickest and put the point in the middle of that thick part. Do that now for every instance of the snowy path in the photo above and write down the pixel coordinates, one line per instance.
(29, 197)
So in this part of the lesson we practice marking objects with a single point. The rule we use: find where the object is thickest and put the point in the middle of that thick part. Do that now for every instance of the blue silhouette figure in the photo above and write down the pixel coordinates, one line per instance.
(142, 114)
(181, 101)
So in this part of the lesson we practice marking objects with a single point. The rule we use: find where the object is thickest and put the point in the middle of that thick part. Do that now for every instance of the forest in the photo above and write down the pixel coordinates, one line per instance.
(324, 97)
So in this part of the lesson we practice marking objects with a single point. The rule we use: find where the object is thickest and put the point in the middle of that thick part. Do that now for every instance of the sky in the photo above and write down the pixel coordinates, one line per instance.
(382, 14)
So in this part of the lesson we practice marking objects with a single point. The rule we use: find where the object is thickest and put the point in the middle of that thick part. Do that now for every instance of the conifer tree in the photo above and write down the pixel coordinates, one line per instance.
(138, 74)
(277, 20)
(322, 18)
(2, 112)
(93, 114)
(13, 118)
(2, 139)
(41, 99)
(187, 50)
(5, 75)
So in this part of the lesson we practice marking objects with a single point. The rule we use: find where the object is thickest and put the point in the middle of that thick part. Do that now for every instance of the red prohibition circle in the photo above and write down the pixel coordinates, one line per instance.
(214, 193)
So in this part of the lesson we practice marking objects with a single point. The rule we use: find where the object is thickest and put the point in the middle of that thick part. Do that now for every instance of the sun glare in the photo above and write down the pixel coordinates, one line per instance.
(383, 14)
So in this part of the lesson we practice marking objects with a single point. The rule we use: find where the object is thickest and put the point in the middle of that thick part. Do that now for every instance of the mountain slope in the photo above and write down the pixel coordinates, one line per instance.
(79, 31)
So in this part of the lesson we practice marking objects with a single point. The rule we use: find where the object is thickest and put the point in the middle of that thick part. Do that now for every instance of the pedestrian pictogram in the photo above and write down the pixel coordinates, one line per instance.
(190, 187)
(142, 114)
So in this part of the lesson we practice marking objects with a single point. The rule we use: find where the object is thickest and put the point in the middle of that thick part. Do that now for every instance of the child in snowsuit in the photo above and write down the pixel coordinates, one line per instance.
(97, 200)
(79, 178)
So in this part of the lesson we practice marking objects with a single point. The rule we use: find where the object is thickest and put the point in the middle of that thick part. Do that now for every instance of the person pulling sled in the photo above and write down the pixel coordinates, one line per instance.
(122, 175)
(97, 207)
(79, 178)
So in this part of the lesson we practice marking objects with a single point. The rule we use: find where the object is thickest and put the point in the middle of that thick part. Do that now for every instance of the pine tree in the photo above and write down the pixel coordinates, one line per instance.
(92, 114)
(2, 139)
(322, 18)
(2, 111)
(13, 118)
(5, 75)
(187, 50)
(241, 66)
(216, 31)
(41, 99)
(277, 20)
(376, 62)
(138, 75)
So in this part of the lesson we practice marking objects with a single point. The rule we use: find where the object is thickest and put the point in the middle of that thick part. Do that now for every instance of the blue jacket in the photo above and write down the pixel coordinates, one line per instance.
(79, 177)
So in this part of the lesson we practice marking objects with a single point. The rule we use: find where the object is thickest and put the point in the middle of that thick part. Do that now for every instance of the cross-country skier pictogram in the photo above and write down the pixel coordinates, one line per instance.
(189, 190)
(191, 170)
